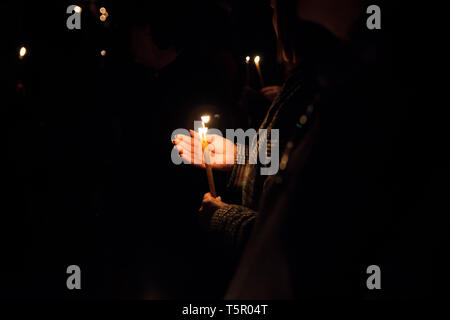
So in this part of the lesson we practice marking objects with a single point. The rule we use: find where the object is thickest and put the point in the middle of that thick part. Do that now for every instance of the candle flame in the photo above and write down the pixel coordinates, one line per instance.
(102, 10)
(77, 9)
(22, 52)
(205, 119)
(257, 59)
(247, 59)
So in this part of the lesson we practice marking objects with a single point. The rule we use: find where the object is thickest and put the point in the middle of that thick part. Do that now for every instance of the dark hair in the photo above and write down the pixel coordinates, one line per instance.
(175, 23)
(286, 16)
(167, 20)
(299, 39)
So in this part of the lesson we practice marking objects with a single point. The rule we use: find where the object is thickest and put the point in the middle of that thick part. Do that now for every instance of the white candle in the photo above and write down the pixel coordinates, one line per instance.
(258, 68)
(203, 136)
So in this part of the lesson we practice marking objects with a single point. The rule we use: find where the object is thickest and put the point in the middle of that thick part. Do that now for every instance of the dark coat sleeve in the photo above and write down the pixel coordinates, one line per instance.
(233, 224)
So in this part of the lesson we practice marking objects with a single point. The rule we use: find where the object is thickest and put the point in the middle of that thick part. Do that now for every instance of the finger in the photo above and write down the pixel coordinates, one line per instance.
(186, 157)
(192, 159)
(178, 140)
(207, 195)
(182, 137)
(183, 148)
(269, 88)
(267, 94)
(187, 153)
(216, 160)
(186, 147)
(195, 134)
(210, 148)
(196, 138)
(210, 138)
(179, 149)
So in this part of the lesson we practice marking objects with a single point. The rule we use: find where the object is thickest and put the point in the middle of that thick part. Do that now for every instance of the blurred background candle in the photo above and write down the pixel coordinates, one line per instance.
(22, 52)
(258, 68)
(247, 71)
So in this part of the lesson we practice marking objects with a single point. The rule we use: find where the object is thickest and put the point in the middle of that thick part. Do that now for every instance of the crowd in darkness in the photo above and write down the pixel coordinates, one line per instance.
(84, 185)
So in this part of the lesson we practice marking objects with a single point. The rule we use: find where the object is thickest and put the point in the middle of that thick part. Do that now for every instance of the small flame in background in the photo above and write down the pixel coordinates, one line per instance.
(22, 52)
(104, 13)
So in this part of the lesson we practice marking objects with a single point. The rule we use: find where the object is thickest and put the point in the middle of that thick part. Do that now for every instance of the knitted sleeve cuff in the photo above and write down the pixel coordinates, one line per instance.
(233, 223)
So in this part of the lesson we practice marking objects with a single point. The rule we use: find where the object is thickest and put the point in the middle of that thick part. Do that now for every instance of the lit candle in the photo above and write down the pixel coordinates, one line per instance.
(258, 68)
(22, 52)
(209, 174)
(247, 71)
(202, 132)
(104, 14)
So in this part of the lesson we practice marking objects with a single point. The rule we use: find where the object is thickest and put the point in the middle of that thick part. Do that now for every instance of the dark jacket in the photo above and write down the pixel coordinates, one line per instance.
(234, 222)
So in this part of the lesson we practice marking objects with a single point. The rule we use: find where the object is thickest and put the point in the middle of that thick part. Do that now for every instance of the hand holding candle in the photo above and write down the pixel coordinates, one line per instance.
(221, 151)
